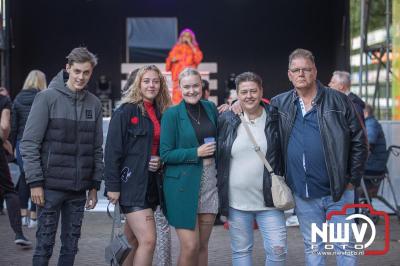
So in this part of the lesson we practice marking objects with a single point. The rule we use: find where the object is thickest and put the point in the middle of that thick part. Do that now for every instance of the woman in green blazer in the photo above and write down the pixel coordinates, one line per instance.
(187, 147)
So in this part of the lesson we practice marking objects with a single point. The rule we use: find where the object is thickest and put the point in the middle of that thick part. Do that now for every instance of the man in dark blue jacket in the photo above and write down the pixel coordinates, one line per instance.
(376, 163)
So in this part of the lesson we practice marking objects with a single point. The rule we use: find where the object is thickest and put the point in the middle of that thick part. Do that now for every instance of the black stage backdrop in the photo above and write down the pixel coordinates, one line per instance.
(240, 35)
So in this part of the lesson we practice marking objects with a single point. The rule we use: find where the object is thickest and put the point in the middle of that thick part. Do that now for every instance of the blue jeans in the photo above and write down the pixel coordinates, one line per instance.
(314, 211)
(71, 207)
(273, 229)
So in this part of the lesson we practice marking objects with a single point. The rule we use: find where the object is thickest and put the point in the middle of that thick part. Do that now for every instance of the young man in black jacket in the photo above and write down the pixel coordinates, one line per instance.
(63, 157)
(324, 151)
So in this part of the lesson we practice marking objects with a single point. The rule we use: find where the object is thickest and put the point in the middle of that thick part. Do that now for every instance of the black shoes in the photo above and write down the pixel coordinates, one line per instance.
(22, 241)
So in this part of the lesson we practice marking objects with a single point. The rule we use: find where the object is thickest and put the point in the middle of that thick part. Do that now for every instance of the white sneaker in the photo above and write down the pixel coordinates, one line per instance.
(292, 221)
(25, 221)
(32, 223)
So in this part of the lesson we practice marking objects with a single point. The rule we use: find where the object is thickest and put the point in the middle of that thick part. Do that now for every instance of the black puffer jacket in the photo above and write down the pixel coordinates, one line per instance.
(20, 110)
(62, 143)
(343, 138)
(228, 124)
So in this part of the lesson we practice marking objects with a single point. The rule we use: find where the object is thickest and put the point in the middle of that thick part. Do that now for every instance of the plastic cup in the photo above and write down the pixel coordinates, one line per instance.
(209, 140)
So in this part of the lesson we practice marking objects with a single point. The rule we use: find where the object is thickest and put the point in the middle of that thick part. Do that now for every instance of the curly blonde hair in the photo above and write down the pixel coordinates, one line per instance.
(134, 95)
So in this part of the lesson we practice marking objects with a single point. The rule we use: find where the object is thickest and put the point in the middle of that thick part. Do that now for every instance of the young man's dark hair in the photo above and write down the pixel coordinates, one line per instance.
(63, 156)
(81, 55)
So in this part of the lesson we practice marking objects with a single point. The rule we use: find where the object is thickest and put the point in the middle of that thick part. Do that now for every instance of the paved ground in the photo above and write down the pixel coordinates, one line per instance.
(96, 230)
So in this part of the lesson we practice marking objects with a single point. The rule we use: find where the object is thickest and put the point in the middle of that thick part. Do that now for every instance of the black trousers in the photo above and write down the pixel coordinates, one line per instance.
(23, 188)
(7, 191)
(70, 206)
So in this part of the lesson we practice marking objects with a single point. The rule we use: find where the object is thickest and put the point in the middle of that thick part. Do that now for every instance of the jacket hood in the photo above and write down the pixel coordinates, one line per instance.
(59, 83)
(26, 97)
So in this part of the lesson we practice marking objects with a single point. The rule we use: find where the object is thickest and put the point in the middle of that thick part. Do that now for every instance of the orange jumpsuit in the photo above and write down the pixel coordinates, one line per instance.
(186, 57)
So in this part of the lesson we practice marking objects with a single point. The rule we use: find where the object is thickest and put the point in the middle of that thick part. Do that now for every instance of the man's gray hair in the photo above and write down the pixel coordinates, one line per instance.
(301, 53)
(343, 77)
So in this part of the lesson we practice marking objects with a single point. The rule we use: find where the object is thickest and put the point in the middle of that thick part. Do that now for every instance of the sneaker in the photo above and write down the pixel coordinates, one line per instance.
(25, 221)
(292, 221)
(32, 223)
(22, 241)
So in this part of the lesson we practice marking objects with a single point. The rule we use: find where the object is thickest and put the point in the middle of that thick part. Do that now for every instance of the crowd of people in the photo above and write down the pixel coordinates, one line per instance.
(181, 164)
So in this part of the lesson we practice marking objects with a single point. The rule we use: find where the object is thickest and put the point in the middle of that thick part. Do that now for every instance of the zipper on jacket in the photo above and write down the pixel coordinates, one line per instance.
(319, 117)
(304, 113)
(76, 140)
(288, 135)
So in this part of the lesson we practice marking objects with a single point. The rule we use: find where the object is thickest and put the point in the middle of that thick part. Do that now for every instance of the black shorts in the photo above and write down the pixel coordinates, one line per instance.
(151, 198)
(129, 209)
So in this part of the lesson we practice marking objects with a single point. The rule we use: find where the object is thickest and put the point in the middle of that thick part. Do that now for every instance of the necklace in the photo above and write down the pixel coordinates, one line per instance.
(255, 116)
(192, 117)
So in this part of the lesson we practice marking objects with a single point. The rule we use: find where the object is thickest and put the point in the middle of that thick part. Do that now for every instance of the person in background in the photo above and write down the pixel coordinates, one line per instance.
(205, 87)
(34, 82)
(7, 190)
(245, 192)
(63, 156)
(136, 187)
(185, 53)
(129, 82)
(341, 81)
(4, 92)
(187, 148)
(377, 158)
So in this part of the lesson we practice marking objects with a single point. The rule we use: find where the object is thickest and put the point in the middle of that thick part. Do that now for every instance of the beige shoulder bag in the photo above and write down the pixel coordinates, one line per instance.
(281, 193)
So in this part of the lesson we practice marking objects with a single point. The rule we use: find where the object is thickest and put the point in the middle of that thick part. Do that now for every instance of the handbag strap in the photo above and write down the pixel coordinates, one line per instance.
(116, 218)
(256, 146)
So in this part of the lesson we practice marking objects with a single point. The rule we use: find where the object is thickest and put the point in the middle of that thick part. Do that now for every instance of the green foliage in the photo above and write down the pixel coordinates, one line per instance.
(377, 18)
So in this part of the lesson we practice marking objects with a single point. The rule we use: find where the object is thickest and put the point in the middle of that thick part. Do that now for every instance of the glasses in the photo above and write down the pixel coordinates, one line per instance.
(298, 70)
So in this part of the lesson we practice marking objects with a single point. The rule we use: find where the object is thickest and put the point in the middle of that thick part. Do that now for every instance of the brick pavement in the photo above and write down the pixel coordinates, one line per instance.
(96, 230)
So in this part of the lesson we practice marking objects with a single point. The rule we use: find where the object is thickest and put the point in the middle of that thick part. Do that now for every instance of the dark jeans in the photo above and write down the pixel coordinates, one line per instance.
(1, 202)
(24, 191)
(8, 192)
(71, 207)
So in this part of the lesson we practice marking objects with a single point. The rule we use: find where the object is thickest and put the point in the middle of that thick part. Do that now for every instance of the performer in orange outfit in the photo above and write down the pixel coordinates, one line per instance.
(185, 53)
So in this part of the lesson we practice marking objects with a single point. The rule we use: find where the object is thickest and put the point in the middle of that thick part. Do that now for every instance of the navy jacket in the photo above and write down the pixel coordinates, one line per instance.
(377, 144)
(127, 154)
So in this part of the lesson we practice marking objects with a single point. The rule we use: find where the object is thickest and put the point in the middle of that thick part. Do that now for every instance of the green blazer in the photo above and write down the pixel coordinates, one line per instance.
(178, 150)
